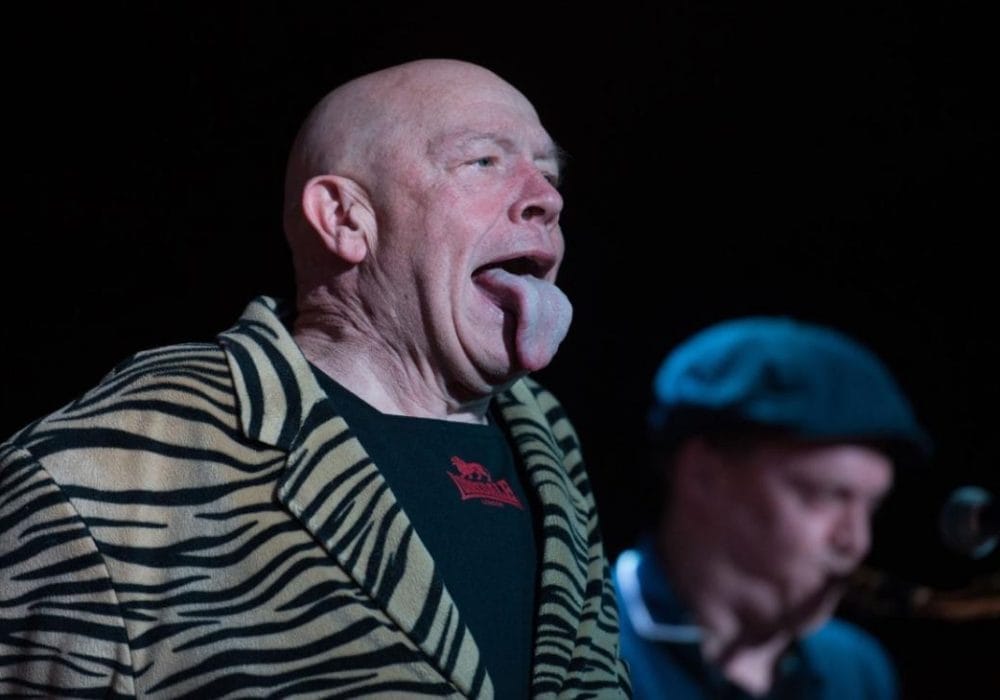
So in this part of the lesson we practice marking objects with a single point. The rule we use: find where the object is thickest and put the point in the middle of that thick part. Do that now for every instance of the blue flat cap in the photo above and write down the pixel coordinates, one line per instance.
(810, 381)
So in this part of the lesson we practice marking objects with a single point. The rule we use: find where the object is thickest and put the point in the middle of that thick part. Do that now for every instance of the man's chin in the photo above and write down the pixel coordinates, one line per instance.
(815, 610)
(502, 381)
(488, 376)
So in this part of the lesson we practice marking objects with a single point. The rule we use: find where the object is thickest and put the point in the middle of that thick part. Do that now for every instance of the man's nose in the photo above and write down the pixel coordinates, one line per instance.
(539, 200)
(852, 534)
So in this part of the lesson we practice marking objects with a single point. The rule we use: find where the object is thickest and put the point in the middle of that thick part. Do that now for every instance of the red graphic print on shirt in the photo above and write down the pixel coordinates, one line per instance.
(474, 481)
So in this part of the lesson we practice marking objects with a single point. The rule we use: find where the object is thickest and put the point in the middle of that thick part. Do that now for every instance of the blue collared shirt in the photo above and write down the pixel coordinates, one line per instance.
(661, 642)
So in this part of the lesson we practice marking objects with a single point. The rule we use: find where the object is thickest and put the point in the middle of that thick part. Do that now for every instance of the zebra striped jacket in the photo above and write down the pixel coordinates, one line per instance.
(204, 524)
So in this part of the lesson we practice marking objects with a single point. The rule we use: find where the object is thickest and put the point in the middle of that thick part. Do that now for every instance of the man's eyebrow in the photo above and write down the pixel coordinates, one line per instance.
(463, 137)
(559, 154)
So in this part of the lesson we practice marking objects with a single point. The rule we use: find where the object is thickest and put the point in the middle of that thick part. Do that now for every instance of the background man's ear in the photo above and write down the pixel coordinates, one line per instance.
(699, 467)
(340, 212)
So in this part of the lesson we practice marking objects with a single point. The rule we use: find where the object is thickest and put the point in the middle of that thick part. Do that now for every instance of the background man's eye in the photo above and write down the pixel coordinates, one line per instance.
(485, 161)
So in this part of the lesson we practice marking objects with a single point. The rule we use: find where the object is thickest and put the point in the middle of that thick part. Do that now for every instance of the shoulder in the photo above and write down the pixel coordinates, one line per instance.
(843, 651)
(182, 366)
(841, 637)
(151, 392)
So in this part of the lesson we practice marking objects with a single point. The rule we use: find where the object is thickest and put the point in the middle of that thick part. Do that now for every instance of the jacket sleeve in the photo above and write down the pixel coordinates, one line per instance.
(62, 632)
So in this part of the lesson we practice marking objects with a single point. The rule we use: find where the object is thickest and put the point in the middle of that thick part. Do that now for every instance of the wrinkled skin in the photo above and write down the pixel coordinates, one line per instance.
(448, 185)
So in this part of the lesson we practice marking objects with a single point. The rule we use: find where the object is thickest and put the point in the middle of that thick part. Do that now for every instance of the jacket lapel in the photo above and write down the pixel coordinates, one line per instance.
(338, 494)
(563, 574)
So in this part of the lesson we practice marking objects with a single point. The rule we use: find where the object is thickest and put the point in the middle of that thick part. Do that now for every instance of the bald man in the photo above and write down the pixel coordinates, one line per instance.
(368, 497)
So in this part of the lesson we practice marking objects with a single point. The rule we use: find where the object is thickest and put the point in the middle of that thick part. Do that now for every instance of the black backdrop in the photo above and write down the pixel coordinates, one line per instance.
(835, 164)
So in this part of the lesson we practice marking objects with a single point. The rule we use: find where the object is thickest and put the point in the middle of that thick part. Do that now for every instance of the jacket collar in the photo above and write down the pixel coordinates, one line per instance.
(338, 494)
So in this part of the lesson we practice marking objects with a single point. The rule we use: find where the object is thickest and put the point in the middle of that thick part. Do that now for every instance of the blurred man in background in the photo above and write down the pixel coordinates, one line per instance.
(775, 440)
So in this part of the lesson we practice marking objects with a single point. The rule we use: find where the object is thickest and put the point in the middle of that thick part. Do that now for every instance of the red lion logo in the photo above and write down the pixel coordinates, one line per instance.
(474, 481)
(471, 470)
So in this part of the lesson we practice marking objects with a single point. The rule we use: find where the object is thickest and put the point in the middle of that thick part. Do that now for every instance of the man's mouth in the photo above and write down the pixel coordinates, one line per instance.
(519, 265)
(539, 312)
(497, 279)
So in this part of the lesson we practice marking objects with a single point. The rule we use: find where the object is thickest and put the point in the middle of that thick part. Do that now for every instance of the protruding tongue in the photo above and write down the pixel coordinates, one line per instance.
(543, 313)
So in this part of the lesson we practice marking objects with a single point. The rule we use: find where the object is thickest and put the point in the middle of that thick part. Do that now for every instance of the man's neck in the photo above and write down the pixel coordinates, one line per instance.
(382, 377)
(744, 648)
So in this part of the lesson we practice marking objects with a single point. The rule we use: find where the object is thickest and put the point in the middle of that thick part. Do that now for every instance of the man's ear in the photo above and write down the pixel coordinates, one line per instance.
(340, 212)
(699, 468)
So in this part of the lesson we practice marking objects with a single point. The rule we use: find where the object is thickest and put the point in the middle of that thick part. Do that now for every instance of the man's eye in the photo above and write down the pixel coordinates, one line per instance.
(553, 179)
(485, 161)
(814, 495)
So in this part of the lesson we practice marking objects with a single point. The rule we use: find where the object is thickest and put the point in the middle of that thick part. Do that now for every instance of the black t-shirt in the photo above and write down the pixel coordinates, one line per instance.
(462, 488)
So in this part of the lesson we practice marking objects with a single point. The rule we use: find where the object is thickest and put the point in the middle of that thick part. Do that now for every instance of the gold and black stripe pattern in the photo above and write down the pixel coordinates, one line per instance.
(203, 524)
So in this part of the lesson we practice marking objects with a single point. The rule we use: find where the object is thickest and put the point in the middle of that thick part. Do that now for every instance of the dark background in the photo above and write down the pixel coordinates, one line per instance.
(836, 164)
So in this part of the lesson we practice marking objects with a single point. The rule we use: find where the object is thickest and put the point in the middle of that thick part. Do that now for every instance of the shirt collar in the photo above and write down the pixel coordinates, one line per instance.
(658, 616)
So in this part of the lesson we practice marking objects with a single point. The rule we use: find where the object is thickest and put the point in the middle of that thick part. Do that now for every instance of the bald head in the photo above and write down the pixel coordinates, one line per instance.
(358, 124)
(423, 217)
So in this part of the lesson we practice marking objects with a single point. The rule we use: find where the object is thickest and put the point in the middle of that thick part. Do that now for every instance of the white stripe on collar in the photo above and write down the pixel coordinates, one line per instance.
(626, 573)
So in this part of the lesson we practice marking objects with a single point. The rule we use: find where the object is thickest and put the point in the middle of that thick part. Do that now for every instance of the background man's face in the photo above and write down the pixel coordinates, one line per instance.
(799, 519)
